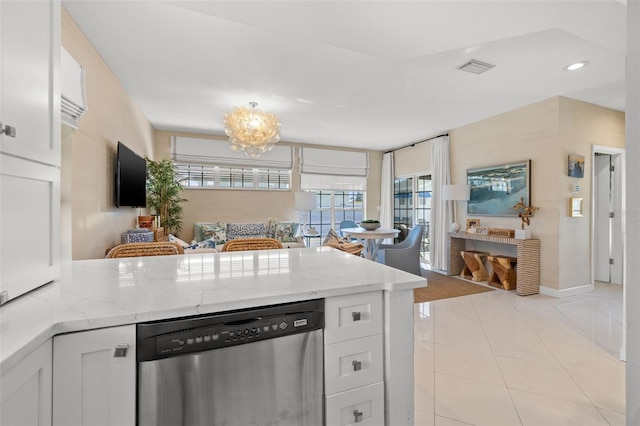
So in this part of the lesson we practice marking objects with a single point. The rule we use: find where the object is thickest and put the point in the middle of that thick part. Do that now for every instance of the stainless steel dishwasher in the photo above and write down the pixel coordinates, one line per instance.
(259, 366)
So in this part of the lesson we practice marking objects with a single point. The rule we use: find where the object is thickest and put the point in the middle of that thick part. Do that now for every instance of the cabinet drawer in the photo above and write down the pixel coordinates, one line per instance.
(352, 364)
(351, 317)
(362, 406)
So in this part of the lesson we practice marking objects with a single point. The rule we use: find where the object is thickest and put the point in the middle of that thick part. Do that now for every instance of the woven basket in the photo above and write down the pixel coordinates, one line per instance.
(145, 249)
(243, 244)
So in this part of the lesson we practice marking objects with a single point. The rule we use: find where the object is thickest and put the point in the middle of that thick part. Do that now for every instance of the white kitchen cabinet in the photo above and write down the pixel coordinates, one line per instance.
(25, 390)
(94, 382)
(29, 224)
(29, 145)
(29, 81)
(353, 357)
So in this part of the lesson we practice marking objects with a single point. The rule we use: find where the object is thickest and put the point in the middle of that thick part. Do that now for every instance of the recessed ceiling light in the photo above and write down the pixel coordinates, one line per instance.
(576, 66)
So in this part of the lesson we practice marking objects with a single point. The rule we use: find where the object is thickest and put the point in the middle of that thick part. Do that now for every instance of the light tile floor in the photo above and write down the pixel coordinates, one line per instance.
(496, 359)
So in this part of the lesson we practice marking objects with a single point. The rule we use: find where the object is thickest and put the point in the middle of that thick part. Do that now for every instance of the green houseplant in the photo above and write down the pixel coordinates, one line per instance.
(164, 189)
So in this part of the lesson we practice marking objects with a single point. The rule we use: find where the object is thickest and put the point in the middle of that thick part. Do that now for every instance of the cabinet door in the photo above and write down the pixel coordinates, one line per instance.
(29, 225)
(29, 81)
(25, 390)
(93, 386)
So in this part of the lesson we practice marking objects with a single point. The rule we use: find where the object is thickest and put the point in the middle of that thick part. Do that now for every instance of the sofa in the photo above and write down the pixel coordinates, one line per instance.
(218, 233)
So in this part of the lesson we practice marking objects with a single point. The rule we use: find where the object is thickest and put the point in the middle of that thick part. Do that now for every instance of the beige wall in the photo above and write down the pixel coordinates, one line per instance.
(89, 154)
(545, 132)
(228, 205)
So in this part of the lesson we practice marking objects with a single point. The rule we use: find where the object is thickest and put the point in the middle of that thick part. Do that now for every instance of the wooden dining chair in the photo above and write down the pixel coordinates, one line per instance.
(145, 249)
(243, 244)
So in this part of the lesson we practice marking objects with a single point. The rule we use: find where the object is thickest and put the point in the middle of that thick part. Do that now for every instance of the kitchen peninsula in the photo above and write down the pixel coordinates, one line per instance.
(105, 295)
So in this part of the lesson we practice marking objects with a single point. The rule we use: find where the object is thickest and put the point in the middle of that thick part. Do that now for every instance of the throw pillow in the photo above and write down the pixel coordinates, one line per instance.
(217, 231)
(336, 241)
(286, 232)
(174, 239)
(208, 243)
(246, 230)
(333, 238)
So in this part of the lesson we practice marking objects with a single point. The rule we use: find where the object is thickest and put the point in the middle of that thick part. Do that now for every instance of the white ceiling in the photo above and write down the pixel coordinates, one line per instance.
(361, 74)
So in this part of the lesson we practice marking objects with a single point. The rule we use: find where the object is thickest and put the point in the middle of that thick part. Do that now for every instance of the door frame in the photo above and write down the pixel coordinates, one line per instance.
(619, 153)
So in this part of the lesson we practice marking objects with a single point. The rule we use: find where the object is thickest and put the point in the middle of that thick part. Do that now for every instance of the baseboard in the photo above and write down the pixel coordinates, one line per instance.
(566, 292)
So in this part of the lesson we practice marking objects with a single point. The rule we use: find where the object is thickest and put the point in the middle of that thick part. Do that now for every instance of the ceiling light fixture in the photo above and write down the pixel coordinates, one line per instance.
(251, 130)
(576, 66)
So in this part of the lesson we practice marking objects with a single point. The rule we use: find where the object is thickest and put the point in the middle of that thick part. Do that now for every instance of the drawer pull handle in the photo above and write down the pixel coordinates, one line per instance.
(357, 416)
(357, 365)
(8, 130)
(356, 316)
(121, 351)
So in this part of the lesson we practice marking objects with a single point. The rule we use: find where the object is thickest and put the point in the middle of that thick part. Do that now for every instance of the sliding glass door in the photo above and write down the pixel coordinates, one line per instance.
(412, 206)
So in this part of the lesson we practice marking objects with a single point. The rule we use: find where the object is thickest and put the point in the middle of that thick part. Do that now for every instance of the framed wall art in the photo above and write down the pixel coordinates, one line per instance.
(576, 165)
(575, 207)
(495, 190)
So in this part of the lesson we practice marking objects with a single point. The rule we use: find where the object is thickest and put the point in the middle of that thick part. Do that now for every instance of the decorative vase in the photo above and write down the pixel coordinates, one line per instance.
(146, 221)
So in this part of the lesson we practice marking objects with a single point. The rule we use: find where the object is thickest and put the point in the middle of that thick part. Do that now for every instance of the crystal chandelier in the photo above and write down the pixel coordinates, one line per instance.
(251, 130)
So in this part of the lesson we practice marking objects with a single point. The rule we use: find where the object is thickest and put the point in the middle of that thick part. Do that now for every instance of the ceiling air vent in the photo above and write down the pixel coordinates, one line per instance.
(476, 67)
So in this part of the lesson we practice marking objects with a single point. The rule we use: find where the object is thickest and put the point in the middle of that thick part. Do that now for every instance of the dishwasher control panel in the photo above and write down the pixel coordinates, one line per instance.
(175, 337)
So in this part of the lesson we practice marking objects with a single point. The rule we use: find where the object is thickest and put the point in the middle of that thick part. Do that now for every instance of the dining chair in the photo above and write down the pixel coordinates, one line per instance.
(145, 249)
(347, 224)
(242, 244)
(405, 255)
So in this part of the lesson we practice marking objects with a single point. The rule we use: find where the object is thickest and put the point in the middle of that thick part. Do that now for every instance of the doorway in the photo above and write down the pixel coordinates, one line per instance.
(607, 218)
(607, 226)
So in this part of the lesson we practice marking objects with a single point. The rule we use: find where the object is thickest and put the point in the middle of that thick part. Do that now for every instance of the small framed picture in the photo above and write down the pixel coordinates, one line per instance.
(482, 230)
(471, 225)
(575, 207)
(576, 165)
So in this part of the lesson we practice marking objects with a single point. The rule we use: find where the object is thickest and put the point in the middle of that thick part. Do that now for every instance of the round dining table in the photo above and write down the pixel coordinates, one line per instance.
(371, 239)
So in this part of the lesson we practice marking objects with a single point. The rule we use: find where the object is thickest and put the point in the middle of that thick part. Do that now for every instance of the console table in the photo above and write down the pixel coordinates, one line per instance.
(528, 253)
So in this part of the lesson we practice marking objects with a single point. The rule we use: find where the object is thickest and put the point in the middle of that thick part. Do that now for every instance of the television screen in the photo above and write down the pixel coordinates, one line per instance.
(131, 178)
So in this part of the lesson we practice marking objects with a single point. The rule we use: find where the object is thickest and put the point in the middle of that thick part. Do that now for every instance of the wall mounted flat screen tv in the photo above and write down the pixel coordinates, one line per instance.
(131, 178)
(495, 190)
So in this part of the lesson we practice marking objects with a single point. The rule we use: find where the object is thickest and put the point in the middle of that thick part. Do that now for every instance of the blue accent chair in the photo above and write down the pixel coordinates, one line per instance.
(347, 224)
(404, 255)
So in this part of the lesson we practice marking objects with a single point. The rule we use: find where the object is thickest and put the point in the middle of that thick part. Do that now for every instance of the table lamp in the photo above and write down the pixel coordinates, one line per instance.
(305, 201)
(455, 193)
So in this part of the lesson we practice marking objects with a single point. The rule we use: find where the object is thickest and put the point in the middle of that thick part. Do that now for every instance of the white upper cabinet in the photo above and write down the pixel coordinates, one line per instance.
(29, 145)
(29, 80)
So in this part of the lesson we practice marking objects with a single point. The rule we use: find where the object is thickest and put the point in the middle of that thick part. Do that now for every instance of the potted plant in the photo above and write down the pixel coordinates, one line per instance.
(164, 188)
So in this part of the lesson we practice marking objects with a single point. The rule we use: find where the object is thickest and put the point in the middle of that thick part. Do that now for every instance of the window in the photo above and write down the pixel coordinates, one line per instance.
(412, 205)
(213, 177)
(334, 207)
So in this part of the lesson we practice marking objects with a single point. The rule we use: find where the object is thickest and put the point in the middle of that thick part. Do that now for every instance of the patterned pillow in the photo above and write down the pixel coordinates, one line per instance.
(174, 239)
(336, 241)
(216, 231)
(333, 238)
(246, 230)
(286, 232)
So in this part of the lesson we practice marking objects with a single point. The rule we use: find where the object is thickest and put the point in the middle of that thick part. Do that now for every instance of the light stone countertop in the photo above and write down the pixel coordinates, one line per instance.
(110, 292)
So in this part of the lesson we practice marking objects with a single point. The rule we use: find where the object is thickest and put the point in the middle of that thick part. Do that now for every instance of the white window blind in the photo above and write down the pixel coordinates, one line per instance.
(217, 152)
(332, 183)
(332, 162)
(325, 169)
